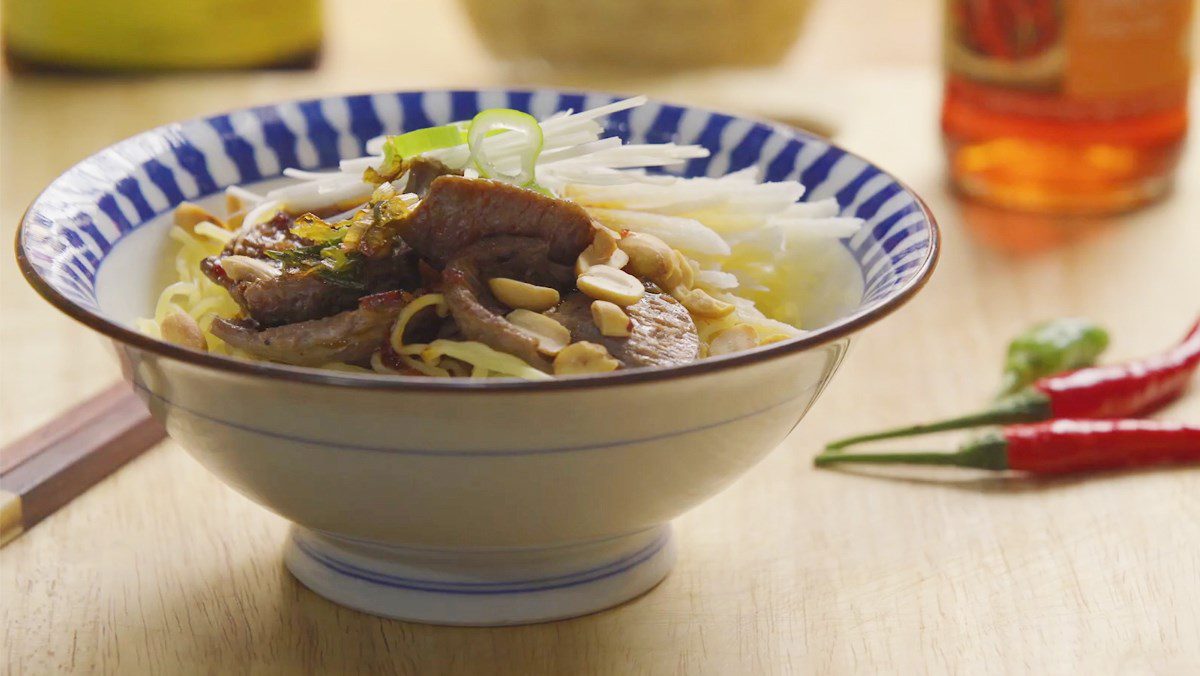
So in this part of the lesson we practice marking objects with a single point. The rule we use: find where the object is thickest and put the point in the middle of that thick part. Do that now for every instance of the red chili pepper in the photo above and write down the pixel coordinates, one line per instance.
(1127, 390)
(1057, 447)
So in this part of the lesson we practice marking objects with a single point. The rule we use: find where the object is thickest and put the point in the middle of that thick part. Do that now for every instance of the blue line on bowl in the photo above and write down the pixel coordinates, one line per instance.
(413, 548)
(433, 586)
(455, 454)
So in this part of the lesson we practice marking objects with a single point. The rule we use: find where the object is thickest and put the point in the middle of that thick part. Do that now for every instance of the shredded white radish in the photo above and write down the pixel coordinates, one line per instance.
(685, 234)
(832, 227)
(715, 279)
(820, 209)
(265, 210)
(303, 175)
(246, 196)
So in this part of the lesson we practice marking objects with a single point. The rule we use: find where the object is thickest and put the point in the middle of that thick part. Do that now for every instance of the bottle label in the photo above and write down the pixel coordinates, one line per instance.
(1070, 58)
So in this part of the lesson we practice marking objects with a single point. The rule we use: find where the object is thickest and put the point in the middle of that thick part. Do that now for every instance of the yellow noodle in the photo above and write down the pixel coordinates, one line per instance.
(477, 354)
(192, 292)
(422, 367)
(206, 306)
(149, 327)
(406, 314)
(213, 232)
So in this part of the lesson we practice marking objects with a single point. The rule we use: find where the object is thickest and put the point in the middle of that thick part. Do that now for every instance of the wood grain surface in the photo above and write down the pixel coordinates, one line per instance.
(162, 569)
(61, 459)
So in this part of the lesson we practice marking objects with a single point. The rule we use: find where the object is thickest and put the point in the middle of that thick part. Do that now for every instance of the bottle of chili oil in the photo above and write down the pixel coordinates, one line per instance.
(1065, 106)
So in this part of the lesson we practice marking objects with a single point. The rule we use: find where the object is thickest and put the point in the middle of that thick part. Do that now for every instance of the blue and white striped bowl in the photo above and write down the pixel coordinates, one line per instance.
(458, 502)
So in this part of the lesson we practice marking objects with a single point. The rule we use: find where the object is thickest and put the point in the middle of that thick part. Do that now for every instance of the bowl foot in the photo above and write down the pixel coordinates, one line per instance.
(480, 586)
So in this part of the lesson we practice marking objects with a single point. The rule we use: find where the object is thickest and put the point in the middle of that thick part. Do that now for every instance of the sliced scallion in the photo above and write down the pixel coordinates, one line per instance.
(493, 120)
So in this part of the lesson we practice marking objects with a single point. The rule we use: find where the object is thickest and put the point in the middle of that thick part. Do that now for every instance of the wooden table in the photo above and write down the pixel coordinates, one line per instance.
(161, 568)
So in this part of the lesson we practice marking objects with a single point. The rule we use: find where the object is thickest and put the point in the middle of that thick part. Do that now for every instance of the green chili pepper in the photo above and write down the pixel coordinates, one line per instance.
(1049, 348)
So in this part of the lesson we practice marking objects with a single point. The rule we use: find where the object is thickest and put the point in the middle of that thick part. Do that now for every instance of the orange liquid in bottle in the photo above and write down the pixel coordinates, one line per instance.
(1065, 106)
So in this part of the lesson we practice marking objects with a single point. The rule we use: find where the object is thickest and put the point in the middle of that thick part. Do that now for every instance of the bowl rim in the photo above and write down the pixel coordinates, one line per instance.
(841, 328)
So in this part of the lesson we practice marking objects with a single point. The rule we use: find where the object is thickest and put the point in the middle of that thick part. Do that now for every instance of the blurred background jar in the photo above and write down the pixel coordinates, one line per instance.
(637, 34)
(1065, 106)
(143, 35)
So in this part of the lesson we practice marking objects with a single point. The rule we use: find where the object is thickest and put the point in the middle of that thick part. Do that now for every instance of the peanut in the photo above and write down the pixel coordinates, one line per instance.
(733, 339)
(687, 272)
(551, 336)
(516, 294)
(602, 251)
(649, 256)
(604, 282)
(188, 215)
(584, 357)
(179, 328)
(611, 319)
(699, 303)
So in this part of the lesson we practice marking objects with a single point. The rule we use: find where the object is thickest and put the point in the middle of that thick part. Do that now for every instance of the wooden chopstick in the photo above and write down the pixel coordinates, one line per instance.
(49, 467)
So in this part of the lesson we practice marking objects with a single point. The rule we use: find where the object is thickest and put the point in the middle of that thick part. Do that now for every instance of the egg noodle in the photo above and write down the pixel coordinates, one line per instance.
(192, 293)
(739, 236)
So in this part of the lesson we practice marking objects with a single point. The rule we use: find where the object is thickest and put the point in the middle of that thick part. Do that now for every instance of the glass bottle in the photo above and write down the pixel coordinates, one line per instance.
(1065, 106)
(150, 35)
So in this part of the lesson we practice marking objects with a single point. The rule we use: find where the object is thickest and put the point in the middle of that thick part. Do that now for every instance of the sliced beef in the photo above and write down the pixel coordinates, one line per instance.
(272, 235)
(520, 258)
(300, 294)
(421, 173)
(292, 297)
(349, 336)
(478, 315)
(461, 211)
(663, 332)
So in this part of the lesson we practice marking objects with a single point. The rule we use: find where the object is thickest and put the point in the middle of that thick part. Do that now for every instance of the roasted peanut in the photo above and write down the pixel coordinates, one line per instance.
(618, 260)
(602, 251)
(551, 336)
(733, 339)
(687, 272)
(188, 215)
(584, 357)
(649, 256)
(611, 319)
(516, 294)
(604, 282)
(698, 302)
(179, 328)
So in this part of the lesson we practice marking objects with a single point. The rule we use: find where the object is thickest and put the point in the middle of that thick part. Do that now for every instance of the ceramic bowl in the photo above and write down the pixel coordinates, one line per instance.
(459, 502)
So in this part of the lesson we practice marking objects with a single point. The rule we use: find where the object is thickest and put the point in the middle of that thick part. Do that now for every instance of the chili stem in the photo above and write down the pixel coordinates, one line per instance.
(1024, 407)
(905, 458)
(987, 452)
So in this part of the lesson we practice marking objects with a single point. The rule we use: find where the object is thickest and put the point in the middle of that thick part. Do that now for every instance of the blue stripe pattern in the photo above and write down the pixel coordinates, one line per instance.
(281, 140)
(76, 222)
(321, 133)
(237, 149)
(364, 122)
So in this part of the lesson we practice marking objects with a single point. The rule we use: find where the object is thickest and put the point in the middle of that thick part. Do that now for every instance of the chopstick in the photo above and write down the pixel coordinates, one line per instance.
(58, 461)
